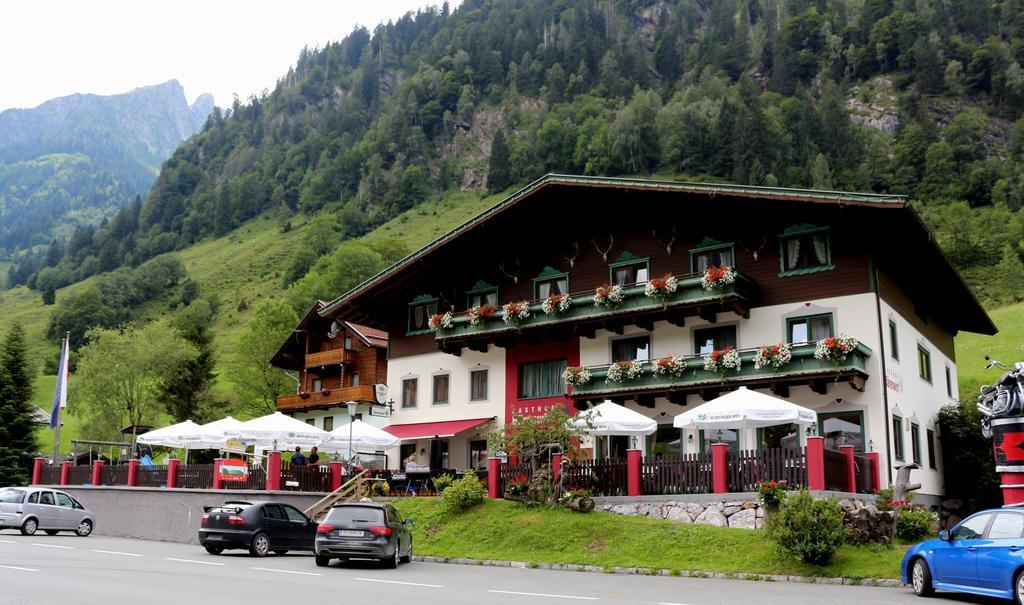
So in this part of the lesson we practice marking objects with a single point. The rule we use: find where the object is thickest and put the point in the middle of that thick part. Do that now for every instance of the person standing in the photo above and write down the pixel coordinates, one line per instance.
(298, 459)
(314, 457)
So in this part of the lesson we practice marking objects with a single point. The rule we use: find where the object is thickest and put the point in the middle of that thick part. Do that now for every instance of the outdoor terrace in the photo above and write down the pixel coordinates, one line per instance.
(324, 399)
(335, 357)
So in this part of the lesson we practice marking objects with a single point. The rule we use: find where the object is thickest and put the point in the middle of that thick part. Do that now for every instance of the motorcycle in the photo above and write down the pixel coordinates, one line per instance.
(1003, 399)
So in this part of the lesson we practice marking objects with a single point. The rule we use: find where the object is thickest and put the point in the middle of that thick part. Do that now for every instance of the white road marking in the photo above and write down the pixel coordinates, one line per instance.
(193, 561)
(671, 603)
(116, 552)
(53, 546)
(9, 541)
(397, 582)
(18, 568)
(298, 573)
(541, 594)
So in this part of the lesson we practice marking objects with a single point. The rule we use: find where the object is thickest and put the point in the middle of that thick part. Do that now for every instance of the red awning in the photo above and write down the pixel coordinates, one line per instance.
(429, 430)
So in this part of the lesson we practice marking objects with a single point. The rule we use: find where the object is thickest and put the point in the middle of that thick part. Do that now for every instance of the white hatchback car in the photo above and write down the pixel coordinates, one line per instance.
(33, 508)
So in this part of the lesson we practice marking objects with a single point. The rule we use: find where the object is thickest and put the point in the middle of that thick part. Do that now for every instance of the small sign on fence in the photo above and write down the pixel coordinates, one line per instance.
(234, 469)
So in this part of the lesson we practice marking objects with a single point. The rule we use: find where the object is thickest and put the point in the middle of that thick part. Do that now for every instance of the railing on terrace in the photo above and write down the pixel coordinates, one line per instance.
(79, 475)
(318, 399)
(195, 476)
(509, 472)
(151, 476)
(688, 474)
(335, 356)
(50, 474)
(601, 477)
(255, 479)
(802, 365)
(310, 478)
(748, 467)
(690, 292)
(835, 470)
(114, 474)
(864, 468)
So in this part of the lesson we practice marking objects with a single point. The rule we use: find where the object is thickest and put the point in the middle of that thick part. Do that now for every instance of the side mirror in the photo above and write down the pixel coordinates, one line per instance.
(407, 522)
(944, 535)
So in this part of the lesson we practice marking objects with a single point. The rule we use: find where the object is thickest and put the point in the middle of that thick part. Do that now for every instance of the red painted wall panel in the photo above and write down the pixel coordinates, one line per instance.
(524, 353)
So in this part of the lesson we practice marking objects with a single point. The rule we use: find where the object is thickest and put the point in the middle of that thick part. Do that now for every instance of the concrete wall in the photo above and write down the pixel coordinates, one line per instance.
(162, 514)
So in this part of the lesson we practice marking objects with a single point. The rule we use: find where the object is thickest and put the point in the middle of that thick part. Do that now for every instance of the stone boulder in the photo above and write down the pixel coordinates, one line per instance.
(744, 519)
(712, 516)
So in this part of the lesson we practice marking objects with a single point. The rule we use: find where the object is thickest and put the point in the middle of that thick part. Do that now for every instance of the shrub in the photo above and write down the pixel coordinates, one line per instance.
(463, 493)
(915, 524)
(807, 528)
(441, 483)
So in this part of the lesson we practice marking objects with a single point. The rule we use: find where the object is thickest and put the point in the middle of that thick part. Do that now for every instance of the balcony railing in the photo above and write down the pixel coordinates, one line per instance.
(326, 358)
(803, 368)
(297, 403)
(690, 298)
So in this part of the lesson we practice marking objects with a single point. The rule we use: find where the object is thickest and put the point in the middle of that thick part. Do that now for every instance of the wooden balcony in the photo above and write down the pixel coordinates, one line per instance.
(584, 318)
(319, 401)
(327, 358)
(803, 369)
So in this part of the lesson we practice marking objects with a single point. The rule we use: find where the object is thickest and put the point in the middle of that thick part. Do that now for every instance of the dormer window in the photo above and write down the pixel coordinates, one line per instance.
(420, 310)
(711, 253)
(629, 269)
(482, 293)
(805, 249)
(550, 281)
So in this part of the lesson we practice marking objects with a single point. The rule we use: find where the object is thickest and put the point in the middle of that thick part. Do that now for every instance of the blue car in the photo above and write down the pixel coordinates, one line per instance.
(983, 555)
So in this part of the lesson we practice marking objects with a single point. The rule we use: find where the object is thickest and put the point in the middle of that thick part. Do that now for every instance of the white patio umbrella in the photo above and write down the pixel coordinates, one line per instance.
(225, 428)
(612, 419)
(363, 436)
(168, 436)
(744, 409)
(279, 431)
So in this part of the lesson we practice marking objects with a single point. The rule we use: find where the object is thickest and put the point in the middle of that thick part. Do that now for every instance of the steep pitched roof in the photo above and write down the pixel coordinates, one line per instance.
(372, 337)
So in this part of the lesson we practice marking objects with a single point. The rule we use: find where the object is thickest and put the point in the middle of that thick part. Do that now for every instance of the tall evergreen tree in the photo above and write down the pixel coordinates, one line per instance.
(186, 392)
(17, 438)
(499, 168)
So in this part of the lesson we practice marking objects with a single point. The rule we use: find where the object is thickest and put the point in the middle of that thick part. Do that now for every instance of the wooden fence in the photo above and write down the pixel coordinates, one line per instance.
(309, 478)
(865, 474)
(511, 471)
(195, 476)
(689, 474)
(748, 467)
(835, 470)
(79, 475)
(151, 477)
(114, 474)
(50, 474)
(601, 477)
(255, 479)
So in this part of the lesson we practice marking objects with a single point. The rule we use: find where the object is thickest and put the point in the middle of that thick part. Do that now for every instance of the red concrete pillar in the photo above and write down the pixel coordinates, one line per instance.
(133, 473)
(633, 458)
(217, 483)
(273, 471)
(336, 471)
(97, 472)
(556, 466)
(65, 472)
(1013, 487)
(815, 463)
(876, 478)
(172, 472)
(37, 470)
(720, 467)
(493, 477)
(851, 468)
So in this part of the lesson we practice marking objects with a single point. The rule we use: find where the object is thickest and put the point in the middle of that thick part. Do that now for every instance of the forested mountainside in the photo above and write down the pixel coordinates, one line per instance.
(73, 161)
(921, 97)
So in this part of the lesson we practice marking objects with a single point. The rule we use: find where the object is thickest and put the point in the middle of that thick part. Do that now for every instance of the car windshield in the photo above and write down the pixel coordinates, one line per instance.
(356, 514)
(12, 496)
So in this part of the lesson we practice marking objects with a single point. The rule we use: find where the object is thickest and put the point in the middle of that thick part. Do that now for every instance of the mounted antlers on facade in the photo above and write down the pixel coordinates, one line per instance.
(604, 253)
(667, 245)
(575, 247)
(515, 266)
(764, 240)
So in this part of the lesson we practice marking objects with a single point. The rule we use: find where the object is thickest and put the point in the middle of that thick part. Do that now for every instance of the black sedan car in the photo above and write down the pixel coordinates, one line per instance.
(364, 531)
(259, 527)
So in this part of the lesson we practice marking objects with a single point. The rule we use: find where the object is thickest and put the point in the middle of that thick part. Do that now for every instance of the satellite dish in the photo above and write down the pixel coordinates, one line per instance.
(335, 329)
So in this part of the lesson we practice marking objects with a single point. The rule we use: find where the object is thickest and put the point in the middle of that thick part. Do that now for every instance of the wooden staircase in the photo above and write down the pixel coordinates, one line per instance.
(353, 489)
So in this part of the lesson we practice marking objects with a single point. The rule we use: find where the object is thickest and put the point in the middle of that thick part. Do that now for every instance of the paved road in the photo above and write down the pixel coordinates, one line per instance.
(68, 569)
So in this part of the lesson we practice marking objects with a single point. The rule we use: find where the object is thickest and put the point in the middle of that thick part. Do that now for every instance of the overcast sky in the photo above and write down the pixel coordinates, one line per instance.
(55, 48)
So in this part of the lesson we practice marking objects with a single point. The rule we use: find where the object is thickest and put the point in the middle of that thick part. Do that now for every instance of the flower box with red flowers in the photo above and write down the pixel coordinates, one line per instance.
(480, 314)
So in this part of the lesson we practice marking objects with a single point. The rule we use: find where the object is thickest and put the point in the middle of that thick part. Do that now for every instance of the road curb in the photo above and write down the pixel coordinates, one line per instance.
(645, 571)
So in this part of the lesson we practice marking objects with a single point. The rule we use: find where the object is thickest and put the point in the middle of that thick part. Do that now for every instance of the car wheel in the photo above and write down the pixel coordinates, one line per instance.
(1018, 588)
(921, 579)
(392, 562)
(260, 545)
(213, 550)
(281, 552)
(408, 556)
(322, 561)
(84, 528)
(52, 532)
(29, 527)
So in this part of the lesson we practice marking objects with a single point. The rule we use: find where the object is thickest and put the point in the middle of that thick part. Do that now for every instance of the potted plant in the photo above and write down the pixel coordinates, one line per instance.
(773, 356)
(325, 391)
(671, 365)
(481, 313)
(661, 288)
(515, 313)
(624, 371)
(771, 494)
(304, 394)
(720, 361)
(556, 304)
(716, 278)
(835, 348)
(576, 375)
(517, 487)
(577, 499)
(439, 322)
(609, 296)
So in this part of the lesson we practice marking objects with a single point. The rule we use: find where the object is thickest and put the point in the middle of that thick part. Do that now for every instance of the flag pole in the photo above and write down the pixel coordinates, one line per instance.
(60, 394)
(56, 429)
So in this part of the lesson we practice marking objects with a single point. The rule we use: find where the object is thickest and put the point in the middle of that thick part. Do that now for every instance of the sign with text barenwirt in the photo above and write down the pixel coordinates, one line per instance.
(383, 411)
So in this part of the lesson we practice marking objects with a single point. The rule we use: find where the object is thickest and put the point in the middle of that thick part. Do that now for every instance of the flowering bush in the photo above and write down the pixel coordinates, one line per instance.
(609, 296)
(772, 493)
(835, 349)
(576, 375)
(518, 485)
(571, 493)
(661, 288)
(481, 313)
(773, 356)
(556, 303)
(439, 322)
(717, 277)
(720, 361)
(623, 371)
(515, 313)
(672, 365)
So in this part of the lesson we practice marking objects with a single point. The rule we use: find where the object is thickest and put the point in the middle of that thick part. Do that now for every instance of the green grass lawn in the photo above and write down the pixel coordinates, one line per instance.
(503, 530)
(1006, 346)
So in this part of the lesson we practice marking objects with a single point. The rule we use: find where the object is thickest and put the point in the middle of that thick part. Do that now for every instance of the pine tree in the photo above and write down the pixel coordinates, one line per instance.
(499, 169)
(186, 391)
(17, 438)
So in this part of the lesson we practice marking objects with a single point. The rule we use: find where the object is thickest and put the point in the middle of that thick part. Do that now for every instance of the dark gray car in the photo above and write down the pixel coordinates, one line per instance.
(364, 531)
(29, 509)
